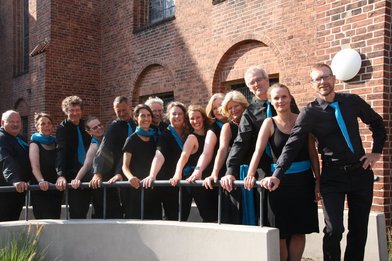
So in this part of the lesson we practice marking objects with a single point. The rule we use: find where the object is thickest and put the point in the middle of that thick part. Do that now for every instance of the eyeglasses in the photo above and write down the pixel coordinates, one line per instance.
(256, 81)
(322, 78)
(97, 126)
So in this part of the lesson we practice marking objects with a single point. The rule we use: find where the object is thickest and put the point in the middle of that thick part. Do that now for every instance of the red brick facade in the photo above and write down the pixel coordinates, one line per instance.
(101, 49)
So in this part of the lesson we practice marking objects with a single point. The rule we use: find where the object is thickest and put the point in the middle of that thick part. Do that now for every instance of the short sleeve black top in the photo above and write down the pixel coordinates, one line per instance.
(143, 153)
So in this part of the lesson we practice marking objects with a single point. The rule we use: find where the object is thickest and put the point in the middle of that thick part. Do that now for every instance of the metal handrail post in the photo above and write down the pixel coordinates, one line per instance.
(142, 203)
(27, 203)
(219, 204)
(179, 202)
(261, 219)
(66, 203)
(104, 202)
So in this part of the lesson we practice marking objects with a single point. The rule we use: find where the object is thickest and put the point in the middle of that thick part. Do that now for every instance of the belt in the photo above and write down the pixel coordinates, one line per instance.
(347, 167)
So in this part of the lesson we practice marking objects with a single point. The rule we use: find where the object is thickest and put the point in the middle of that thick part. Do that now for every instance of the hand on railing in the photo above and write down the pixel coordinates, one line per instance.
(207, 182)
(61, 183)
(227, 182)
(147, 182)
(115, 178)
(96, 181)
(196, 175)
(20, 186)
(75, 183)
(249, 182)
(134, 182)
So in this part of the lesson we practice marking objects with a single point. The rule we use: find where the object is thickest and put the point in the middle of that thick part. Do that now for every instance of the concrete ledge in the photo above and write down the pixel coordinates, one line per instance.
(376, 245)
(151, 240)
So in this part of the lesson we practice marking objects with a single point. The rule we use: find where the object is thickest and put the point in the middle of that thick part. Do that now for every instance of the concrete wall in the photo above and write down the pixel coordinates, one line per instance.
(151, 240)
(376, 247)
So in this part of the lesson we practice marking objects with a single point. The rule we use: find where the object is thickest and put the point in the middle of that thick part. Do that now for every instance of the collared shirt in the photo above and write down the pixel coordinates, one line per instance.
(319, 119)
(14, 160)
(108, 161)
(248, 129)
(67, 163)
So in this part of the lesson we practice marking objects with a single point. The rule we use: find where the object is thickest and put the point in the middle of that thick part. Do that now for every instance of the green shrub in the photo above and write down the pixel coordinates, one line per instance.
(23, 246)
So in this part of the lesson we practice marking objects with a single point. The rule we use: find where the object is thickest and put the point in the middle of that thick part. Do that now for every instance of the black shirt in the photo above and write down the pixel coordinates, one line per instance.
(47, 160)
(143, 153)
(171, 151)
(108, 161)
(319, 119)
(14, 160)
(244, 145)
(67, 163)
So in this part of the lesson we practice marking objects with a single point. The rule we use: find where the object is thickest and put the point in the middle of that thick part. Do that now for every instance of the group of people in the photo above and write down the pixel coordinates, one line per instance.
(268, 140)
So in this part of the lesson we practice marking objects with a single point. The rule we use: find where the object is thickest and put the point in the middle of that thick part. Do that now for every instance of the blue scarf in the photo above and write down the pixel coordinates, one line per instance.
(219, 123)
(130, 131)
(22, 143)
(95, 140)
(176, 136)
(81, 150)
(149, 133)
(40, 138)
(248, 200)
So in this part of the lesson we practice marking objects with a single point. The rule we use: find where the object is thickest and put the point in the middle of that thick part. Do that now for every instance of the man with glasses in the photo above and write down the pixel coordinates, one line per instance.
(346, 169)
(241, 152)
(156, 105)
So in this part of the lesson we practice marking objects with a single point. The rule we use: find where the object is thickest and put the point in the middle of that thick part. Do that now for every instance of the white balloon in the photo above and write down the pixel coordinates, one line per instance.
(346, 64)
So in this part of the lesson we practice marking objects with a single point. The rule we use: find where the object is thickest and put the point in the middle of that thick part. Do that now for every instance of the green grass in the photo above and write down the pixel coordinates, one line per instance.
(23, 246)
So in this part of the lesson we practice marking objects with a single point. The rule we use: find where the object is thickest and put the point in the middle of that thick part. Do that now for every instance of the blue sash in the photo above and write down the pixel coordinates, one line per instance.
(176, 137)
(22, 143)
(295, 167)
(96, 141)
(130, 131)
(81, 150)
(219, 123)
(248, 200)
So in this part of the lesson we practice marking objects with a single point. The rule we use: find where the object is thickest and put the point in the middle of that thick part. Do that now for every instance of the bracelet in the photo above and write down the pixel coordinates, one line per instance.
(41, 180)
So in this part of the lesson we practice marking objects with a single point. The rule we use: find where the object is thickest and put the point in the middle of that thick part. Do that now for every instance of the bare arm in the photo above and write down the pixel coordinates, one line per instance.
(87, 164)
(265, 133)
(206, 157)
(190, 146)
(221, 155)
(156, 166)
(133, 180)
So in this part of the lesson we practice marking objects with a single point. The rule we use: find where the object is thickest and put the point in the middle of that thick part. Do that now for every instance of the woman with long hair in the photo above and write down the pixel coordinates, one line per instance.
(168, 152)
(293, 206)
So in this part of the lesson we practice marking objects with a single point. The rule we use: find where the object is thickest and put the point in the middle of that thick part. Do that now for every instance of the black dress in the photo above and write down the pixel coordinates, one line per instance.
(46, 204)
(143, 153)
(291, 207)
(230, 201)
(171, 151)
(205, 199)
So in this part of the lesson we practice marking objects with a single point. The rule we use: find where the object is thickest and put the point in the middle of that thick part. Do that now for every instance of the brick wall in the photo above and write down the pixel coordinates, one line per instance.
(101, 49)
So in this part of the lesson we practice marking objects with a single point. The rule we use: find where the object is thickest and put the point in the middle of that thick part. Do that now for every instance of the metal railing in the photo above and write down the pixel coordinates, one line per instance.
(125, 184)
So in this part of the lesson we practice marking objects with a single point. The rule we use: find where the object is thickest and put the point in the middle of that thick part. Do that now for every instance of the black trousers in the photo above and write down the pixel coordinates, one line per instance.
(11, 204)
(131, 203)
(46, 204)
(169, 199)
(335, 185)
